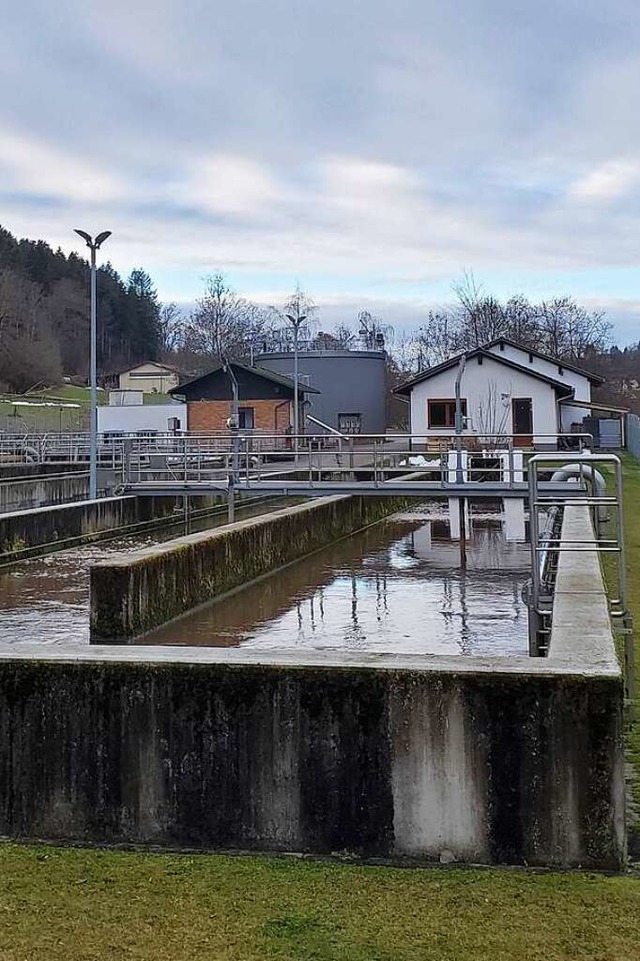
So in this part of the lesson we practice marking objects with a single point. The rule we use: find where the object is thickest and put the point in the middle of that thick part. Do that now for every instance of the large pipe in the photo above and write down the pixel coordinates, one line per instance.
(582, 470)
(571, 471)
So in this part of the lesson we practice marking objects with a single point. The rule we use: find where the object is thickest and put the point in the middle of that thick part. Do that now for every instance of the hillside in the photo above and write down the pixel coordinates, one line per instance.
(44, 315)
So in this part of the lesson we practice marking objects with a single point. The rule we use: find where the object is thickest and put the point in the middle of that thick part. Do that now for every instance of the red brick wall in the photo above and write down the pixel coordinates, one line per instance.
(271, 416)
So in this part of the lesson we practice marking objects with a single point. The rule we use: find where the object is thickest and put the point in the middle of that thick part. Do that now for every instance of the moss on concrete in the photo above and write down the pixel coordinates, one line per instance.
(129, 597)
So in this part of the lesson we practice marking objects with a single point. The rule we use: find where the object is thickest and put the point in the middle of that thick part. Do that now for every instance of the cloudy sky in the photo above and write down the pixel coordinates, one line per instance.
(371, 150)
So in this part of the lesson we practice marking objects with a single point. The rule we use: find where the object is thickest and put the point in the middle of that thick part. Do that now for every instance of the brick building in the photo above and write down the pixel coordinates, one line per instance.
(265, 400)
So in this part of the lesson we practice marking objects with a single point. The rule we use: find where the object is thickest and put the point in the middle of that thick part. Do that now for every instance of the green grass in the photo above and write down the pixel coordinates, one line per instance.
(631, 477)
(78, 904)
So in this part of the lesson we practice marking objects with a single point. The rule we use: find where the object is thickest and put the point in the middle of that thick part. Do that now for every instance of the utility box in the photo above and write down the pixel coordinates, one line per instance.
(606, 431)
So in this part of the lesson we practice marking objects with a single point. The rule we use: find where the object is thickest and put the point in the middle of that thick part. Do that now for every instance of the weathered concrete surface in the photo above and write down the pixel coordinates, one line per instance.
(326, 758)
(24, 493)
(497, 760)
(135, 592)
(44, 529)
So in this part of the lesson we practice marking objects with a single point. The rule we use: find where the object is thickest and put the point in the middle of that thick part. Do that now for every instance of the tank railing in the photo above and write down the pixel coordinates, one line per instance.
(603, 496)
(198, 458)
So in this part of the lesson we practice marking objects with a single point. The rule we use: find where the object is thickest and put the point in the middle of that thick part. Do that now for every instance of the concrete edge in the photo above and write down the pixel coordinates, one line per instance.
(237, 657)
(581, 631)
(131, 558)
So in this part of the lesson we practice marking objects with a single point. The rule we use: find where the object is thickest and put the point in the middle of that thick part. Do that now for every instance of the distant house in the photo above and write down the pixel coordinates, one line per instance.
(505, 389)
(150, 377)
(265, 399)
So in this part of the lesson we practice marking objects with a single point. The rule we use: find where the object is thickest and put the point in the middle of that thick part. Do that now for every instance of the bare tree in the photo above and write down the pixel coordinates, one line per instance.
(223, 323)
(492, 416)
(436, 340)
(29, 351)
(559, 327)
(298, 315)
(171, 328)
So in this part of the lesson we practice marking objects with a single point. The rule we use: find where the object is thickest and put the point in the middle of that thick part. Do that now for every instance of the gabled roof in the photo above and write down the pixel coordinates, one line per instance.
(256, 371)
(594, 378)
(565, 390)
(143, 363)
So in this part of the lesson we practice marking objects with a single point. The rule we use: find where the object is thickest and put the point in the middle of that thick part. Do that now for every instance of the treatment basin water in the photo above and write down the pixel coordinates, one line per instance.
(395, 587)
(46, 599)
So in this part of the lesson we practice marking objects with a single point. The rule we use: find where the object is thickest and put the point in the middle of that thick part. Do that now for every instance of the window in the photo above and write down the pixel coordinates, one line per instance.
(245, 418)
(350, 423)
(442, 413)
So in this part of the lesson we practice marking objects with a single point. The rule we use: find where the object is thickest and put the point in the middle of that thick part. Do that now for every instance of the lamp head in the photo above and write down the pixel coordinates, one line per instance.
(93, 244)
(85, 236)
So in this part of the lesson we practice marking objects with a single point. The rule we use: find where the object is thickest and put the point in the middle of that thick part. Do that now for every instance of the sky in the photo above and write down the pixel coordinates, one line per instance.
(369, 150)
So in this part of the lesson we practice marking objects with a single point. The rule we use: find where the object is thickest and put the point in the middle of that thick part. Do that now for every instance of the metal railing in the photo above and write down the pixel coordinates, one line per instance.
(326, 462)
(602, 494)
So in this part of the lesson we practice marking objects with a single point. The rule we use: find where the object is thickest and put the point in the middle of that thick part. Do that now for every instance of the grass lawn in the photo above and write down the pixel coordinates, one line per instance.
(631, 475)
(77, 904)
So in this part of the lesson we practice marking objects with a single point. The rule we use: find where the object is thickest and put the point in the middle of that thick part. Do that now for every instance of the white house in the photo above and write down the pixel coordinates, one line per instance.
(565, 373)
(150, 378)
(504, 389)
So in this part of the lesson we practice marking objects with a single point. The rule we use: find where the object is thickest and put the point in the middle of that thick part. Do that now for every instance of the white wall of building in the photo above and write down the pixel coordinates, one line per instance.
(141, 417)
(554, 369)
(488, 388)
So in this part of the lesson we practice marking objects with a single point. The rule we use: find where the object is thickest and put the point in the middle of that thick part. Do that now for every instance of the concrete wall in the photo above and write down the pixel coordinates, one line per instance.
(135, 592)
(141, 417)
(43, 530)
(377, 757)
(27, 492)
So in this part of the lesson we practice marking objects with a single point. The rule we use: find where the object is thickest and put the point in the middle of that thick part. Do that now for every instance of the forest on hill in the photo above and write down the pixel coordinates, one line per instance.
(44, 315)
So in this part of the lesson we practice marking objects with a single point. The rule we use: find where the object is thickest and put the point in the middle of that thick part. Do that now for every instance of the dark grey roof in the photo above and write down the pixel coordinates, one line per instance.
(594, 378)
(257, 371)
(405, 388)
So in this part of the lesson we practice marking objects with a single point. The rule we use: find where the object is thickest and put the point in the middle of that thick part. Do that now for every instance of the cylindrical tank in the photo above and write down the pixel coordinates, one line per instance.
(351, 384)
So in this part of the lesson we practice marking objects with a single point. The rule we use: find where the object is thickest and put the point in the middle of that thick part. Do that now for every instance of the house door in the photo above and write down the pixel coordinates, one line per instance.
(246, 418)
(522, 412)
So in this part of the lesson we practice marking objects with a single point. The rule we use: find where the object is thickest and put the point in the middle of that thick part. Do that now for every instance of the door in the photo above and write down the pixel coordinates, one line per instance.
(522, 411)
(245, 418)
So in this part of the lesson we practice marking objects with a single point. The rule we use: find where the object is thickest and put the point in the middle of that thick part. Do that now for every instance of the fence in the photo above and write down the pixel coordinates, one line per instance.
(633, 435)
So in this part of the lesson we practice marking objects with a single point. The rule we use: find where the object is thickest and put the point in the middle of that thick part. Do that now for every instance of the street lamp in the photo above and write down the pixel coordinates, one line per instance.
(93, 245)
(296, 322)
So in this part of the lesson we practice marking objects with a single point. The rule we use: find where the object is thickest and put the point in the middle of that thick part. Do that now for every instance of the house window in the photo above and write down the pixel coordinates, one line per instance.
(246, 418)
(442, 413)
(350, 423)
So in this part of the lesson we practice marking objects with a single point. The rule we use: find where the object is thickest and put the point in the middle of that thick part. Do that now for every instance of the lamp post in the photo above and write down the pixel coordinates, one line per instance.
(296, 320)
(93, 245)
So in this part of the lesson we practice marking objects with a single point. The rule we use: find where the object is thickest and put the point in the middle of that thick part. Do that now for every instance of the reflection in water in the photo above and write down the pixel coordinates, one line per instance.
(393, 587)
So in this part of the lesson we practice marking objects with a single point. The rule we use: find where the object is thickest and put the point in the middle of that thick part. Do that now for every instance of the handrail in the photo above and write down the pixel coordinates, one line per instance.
(332, 430)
